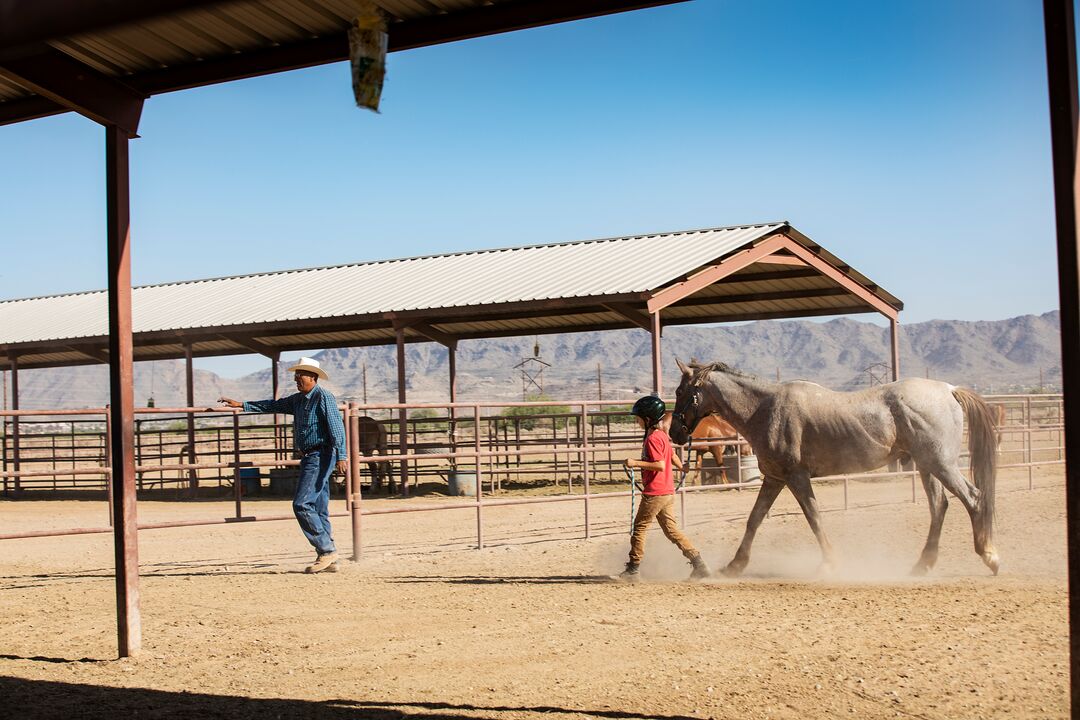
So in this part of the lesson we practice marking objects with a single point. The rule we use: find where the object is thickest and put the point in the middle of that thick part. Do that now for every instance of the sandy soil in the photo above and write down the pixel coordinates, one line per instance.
(425, 627)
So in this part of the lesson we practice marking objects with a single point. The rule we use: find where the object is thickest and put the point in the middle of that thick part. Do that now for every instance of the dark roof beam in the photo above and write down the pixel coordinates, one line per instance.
(433, 334)
(100, 355)
(68, 82)
(250, 343)
(26, 23)
(629, 312)
(768, 275)
(762, 297)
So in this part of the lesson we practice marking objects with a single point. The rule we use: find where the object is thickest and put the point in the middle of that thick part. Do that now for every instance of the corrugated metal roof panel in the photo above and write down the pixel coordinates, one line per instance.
(515, 287)
(582, 269)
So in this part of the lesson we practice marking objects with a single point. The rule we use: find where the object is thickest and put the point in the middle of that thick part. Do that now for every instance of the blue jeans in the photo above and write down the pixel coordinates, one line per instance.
(311, 504)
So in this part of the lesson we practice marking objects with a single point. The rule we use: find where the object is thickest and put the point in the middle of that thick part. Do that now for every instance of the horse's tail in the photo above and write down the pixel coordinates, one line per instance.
(982, 447)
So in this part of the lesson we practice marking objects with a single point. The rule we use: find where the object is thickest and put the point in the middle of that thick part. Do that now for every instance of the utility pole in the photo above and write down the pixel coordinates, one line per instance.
(599, 384)
(364, 375)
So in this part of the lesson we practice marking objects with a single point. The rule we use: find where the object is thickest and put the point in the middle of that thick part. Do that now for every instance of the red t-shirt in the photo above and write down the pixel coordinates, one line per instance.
(657, 449)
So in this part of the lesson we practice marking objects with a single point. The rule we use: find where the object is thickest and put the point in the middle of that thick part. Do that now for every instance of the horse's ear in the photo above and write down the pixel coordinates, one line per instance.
(682, 368)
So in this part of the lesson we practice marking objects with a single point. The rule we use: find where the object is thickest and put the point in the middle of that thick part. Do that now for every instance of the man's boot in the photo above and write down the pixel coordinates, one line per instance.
(701, 570)
(630, 574)
(326, 562)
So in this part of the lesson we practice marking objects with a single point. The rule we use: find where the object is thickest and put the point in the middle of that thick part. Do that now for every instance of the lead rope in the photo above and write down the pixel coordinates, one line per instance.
(633, 481)
(686, 465)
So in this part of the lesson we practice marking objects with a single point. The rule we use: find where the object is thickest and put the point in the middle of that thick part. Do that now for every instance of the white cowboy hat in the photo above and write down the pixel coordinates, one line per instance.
(310, 365)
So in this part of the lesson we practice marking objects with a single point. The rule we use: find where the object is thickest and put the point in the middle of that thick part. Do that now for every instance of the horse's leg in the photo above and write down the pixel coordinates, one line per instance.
(935, 496)
(718, 457)
(800, 485)
(697, 467)
(765, 498)
(968, 494)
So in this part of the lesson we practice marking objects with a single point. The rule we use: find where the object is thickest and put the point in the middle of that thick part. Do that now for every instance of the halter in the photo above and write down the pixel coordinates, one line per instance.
(680, 417)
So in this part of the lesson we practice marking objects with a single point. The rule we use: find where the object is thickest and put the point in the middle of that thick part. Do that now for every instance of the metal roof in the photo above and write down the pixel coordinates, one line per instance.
(563, 287)
(155, 46)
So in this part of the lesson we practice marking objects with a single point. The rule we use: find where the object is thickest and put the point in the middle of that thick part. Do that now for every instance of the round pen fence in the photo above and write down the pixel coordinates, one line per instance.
(479, 454)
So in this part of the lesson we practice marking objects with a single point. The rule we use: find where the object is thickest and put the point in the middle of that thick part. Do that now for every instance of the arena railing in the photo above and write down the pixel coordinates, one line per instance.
(1028, 417)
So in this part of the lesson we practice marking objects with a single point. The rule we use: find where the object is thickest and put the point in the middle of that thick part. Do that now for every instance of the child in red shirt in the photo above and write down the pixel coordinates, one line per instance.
(658, 493)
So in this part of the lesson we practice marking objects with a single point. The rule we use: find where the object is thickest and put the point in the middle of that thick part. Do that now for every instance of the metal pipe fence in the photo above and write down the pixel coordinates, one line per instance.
(584, 442)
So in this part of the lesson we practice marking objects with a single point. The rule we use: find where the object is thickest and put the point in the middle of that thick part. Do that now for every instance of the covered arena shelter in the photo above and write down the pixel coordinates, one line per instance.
(104, 59)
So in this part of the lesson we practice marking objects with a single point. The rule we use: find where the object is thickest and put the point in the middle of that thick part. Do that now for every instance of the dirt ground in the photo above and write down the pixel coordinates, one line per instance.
(424, 626)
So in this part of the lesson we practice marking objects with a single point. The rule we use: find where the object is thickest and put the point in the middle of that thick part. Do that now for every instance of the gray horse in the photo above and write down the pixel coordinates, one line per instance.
(802, 430)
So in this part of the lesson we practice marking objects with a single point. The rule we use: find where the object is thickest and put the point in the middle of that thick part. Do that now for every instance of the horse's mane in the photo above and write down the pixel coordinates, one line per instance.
(700, 368)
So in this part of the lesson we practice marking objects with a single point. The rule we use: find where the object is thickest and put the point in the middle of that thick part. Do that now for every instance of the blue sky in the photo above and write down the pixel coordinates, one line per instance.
(909, 137)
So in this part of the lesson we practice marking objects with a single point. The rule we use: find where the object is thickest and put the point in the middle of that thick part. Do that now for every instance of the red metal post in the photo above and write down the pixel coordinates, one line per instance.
(189, 379)
(585, 461)
(894, 341)
(479, 481)
(354, 473)
(15, 420)
(656, 368)
(403, 414)
(121, 388)
(236, 462)
(1062, 77)
(451, 351)
(108, 462)
(275, 386)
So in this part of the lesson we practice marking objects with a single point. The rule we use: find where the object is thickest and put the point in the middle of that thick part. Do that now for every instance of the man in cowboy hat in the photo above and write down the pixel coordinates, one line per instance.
(319, 439)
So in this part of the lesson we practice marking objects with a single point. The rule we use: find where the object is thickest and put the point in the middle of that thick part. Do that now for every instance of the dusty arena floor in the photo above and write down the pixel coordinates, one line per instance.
(424, 627)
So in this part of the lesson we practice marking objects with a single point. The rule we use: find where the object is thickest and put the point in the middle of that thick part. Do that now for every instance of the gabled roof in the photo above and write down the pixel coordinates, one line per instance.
(565, 287)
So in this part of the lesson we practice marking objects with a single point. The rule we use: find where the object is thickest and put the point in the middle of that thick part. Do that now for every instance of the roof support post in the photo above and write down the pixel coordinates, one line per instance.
(657, 377)
(275, 382)
(894, 341)
(403, 414)
(1062, 76)
(451, 351)
(121, 392)
(15, 420)
(275, 389)
(189, 381)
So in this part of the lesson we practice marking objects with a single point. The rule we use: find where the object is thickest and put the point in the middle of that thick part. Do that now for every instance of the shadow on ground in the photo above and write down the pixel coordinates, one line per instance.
(38, 699)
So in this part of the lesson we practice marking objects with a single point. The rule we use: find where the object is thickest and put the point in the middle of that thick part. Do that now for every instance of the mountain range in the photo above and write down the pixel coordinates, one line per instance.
(1019, 354)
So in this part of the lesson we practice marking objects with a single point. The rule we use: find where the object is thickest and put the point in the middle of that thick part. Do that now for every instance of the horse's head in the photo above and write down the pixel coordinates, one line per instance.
(688, 400)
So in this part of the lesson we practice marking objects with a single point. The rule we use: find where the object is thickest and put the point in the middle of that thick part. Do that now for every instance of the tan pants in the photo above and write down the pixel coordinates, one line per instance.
(662, 508)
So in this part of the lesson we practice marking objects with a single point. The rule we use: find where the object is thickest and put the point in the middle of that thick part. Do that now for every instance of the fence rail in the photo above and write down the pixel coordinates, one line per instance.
(511, 453)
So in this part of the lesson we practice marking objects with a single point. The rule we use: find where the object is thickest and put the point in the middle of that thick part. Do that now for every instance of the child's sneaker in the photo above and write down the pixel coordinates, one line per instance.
(630, 574)
(701, 570)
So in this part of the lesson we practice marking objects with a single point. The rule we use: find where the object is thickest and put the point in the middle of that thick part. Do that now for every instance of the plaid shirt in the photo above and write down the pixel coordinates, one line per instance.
(316, 420)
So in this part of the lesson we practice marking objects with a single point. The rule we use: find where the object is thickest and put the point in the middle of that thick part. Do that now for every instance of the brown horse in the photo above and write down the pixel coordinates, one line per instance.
(714, 435)
(372, 439)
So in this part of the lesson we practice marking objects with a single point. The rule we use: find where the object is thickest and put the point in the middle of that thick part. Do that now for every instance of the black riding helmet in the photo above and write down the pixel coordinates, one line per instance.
(649, 407)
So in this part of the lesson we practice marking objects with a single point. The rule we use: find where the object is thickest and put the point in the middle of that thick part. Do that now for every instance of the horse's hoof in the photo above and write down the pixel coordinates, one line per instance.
(992, 561)
(919, 570)
(827, 569)
(732, 570)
